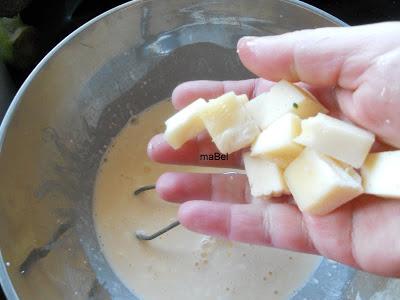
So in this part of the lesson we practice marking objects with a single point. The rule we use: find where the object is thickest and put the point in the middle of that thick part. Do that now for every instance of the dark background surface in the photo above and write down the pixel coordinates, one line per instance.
(53, 20)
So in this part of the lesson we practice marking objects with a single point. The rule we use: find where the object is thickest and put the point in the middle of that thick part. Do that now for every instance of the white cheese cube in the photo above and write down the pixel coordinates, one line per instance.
(276, 142)
(380, 174)
(229, 123)
(185, 124)
(284, 97)
(336, 138)
(243, 98)
(265, 177)
(320, 184)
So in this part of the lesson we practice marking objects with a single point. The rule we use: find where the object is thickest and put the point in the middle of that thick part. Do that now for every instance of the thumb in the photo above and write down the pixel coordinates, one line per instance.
(323, 57)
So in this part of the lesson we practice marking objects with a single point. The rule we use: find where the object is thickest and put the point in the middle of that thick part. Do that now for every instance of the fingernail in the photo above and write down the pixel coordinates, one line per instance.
(245, 40)
(153, 143)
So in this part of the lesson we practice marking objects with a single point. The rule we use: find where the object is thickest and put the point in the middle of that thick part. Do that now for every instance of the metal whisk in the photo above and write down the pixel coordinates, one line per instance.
(140, 234)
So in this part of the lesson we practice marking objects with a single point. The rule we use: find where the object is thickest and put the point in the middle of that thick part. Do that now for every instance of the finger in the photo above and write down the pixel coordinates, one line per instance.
(277, 225)
(315, 56)
(187, 92)
(189, 154)
(352, 111)
(363, 233)
(181, 187)
(375, 235)
(331, 234)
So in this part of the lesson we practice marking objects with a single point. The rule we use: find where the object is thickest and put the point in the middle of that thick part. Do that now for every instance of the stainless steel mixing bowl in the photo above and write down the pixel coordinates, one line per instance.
(80, 96)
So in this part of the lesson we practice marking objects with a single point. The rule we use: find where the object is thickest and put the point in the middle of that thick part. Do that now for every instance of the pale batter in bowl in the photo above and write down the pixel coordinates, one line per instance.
(179, 264)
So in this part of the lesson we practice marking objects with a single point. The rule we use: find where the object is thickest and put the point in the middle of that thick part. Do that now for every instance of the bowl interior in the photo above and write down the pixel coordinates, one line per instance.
(78, 99)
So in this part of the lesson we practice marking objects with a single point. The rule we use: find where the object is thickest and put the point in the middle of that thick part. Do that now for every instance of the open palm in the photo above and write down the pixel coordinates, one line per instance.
(355, 72)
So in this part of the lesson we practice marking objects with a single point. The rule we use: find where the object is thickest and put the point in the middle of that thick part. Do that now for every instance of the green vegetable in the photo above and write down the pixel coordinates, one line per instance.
(18, 43)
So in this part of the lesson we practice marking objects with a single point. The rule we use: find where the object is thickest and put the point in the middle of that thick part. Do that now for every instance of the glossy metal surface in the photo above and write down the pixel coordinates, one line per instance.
(80, 96)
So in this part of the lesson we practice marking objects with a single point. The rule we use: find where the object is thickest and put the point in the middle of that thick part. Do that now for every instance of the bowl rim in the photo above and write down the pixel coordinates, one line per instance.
(5, 280)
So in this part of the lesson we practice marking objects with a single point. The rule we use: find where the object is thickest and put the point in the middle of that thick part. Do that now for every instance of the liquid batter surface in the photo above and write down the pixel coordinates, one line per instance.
(179, 264)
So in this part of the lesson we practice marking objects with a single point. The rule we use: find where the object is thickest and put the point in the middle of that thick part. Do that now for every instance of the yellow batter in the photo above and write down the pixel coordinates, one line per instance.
(179, 264)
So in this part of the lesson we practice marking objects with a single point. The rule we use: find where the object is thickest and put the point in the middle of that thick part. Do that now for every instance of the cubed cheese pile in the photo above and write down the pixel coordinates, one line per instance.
(293, 147)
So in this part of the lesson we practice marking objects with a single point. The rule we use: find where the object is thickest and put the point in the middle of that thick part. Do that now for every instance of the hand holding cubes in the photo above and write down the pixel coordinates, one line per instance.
(312, 159)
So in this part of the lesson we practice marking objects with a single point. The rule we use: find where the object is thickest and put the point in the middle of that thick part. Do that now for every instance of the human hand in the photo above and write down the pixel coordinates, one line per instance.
(355, 72)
